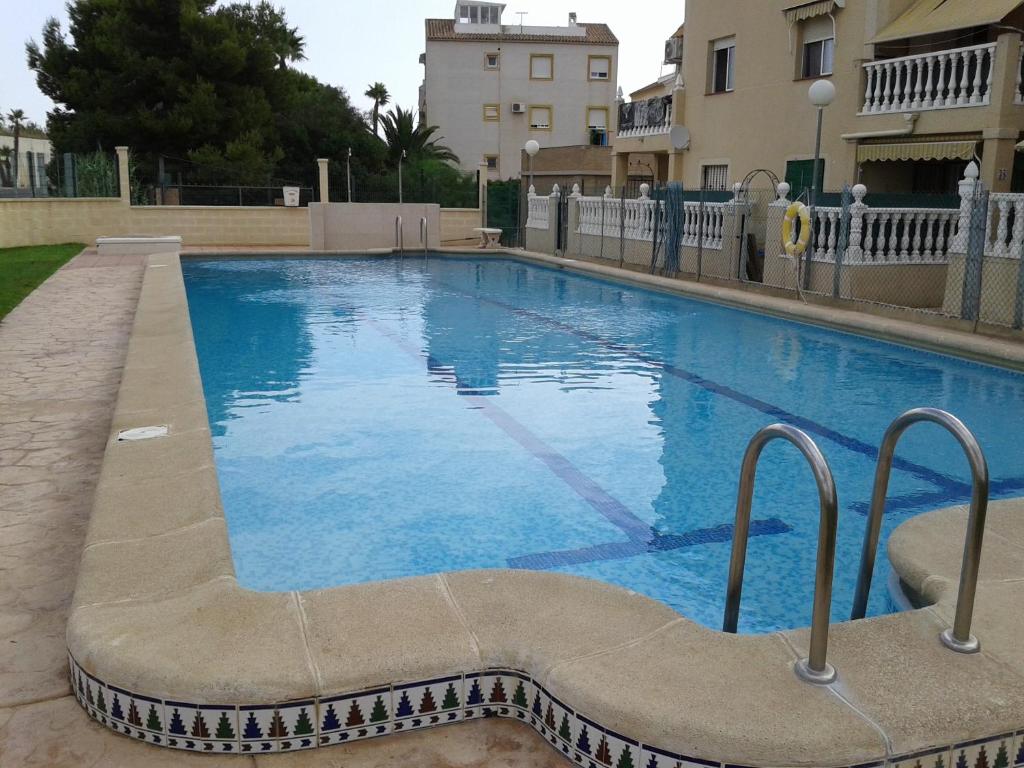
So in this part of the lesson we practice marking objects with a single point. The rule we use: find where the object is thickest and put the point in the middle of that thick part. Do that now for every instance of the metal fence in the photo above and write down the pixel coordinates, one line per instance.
(957, 257)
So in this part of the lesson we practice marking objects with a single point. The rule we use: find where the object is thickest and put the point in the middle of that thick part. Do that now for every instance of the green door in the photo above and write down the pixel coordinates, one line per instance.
(798, 176)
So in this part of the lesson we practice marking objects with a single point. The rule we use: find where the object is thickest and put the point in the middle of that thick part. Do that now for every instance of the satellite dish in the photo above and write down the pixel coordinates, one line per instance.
(679, 136)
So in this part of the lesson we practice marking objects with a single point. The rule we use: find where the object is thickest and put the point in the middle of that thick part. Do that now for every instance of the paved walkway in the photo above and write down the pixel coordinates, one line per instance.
(61, 354)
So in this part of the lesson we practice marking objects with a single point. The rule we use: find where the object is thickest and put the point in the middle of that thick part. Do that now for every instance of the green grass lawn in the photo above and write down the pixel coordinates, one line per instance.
(22, 270)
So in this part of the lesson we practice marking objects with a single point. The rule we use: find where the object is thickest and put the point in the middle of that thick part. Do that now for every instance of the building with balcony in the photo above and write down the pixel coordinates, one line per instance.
(491, 86)
(922, 87)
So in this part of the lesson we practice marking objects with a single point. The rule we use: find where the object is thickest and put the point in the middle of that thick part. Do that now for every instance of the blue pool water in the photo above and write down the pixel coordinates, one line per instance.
(375, 419)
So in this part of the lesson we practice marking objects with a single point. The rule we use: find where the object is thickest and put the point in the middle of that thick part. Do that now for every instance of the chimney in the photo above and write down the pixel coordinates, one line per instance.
(572, 18)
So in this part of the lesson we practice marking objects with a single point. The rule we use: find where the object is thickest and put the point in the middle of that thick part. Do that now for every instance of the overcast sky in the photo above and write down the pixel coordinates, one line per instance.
(351, 44)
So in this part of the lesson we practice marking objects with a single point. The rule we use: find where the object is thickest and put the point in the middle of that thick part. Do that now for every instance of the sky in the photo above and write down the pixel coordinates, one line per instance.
(352, 44)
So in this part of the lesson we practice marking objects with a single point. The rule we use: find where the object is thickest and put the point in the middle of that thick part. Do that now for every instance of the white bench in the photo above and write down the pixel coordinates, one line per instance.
(489, 237)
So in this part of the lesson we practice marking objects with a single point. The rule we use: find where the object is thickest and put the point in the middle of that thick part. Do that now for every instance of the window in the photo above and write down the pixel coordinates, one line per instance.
(492, 162)
(819, 46)
(597, 117)
(723, 65)
(492, 60)
(479, 14)
(798, 176)
(492, 112)
(599, 67)
(715, 177)
(540, 118)
(542, 66)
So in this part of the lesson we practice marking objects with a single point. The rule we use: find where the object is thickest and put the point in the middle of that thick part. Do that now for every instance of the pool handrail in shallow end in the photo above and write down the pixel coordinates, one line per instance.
(160, 625)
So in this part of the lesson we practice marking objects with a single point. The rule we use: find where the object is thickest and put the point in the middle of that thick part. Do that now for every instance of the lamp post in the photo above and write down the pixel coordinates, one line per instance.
(821, 93)
(348, 173)
(400, 159)
(532, 148)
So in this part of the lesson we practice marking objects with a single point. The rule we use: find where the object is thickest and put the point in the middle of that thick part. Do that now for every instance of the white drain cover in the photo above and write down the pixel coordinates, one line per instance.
(141, 433)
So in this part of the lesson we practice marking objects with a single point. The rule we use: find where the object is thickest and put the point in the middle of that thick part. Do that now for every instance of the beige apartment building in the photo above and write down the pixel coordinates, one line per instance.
(922, 87)
(34, 153)
(492, 86)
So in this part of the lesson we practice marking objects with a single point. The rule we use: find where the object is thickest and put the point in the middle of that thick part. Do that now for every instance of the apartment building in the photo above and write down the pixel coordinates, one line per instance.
(492, 86)
(922, 87)
(34, 153)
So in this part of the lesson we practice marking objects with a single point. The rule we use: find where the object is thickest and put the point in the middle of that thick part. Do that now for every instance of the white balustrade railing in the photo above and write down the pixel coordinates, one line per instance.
(648, 130)
(961, 77)
(905, 236)
(538, 207)
(826, 232)
(1018, 95)
(635, 219)
(1004, 233)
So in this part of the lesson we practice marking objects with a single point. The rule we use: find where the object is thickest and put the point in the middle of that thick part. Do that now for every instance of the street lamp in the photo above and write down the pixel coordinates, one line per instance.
(821, 93)
(348, 173)
(532, 148)
(400, 159)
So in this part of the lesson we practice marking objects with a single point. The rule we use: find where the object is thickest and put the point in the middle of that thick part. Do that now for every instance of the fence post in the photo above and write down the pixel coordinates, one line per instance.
(554, 210)
(573, 212)
(963, 227)
(325, 184)
(123, 179)
(481, 192)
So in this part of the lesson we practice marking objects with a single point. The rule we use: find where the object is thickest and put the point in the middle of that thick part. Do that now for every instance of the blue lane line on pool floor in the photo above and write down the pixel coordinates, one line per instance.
(956, 488)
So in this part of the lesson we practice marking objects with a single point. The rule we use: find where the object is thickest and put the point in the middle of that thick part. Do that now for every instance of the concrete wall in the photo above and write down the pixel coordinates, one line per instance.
(999, 280)
(42, 221)
(457, 225)
(457, 85)
(358, 226)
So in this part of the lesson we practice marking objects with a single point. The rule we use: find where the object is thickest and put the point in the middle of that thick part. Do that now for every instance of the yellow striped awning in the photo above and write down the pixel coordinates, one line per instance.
(808, 10)
(921, 150)
(928, 17)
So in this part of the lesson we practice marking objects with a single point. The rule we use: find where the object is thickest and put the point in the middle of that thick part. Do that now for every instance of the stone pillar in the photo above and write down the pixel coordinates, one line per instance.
(779, 269)
(967, 184)
(572, 230)
(997, 159)
(481, 192)
(552, 234)
(952, 302)
(620, 168)
(123, 179)
(855, 241)
(325, 182)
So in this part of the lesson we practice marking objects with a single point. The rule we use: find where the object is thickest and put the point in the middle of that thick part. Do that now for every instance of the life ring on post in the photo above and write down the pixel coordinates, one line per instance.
(794, 211)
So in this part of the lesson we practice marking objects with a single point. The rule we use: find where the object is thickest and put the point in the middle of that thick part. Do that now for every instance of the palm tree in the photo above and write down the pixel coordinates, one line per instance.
(401, 132)
(15, 119)
(379, 93)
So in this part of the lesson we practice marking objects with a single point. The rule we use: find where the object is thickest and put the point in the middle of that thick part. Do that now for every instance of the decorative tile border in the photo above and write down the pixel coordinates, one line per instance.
(375, 712)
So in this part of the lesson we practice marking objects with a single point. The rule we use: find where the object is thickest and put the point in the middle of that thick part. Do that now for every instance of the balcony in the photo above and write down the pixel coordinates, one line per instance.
(639, 119)
(960, 77)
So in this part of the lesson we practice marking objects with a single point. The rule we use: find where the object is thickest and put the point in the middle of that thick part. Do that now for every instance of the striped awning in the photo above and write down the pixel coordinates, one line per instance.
(929, 17)
(800, 11)
(921, 150)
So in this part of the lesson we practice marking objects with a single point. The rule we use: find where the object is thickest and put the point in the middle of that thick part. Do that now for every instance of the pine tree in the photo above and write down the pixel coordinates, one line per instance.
(133, 714)
(427, 703)
(1002, 759)
(939, 762)
(200, 730)
(115, 709)
(536, 705)
(982, 761)
(583, 742)
(451, 698)
(961, 761)
(303, 727)
(331, 722)
(475, 697)
(88, 693)
(1019, 760)
(404, 706)
(176, 727)
(603, 755)
(355, 715)
(252, 728)
(625, 759)
(153, 720)
(277, 727)
(563, 730)
(380, 712)
(101, 703)
(519, 697)
(224, 729)
(498, 693)
(653, 762)
(549, 717)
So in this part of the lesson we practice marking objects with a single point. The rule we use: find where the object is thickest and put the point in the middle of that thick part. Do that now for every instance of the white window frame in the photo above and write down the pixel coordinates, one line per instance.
(828, 52)
(724, 44)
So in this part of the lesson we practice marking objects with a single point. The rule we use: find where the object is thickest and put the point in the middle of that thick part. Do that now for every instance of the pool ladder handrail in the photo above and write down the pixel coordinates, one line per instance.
(815, 668)
(399, 235)
(959, 637)
(424, 234)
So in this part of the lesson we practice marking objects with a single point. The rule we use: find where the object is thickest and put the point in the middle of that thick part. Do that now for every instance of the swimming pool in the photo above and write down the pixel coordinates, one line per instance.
(378, 418)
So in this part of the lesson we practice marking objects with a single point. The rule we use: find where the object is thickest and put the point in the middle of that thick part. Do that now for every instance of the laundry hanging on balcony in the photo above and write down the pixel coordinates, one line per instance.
(640, 114)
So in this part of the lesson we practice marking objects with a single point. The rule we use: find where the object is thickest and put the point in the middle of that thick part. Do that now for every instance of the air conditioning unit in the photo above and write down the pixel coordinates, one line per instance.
(518, 108)
(674, 50)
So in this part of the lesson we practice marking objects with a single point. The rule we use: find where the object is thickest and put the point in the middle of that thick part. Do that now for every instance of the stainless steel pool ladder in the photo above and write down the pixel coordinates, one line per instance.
(424, 232)
(815, 668)
(959, 637)
(399, 235)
